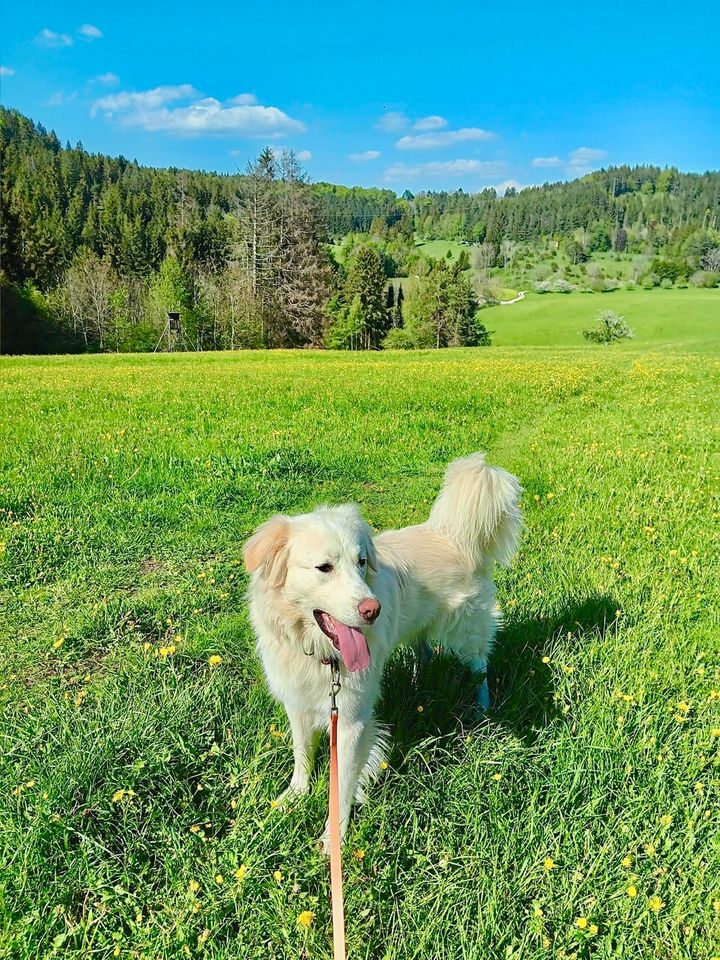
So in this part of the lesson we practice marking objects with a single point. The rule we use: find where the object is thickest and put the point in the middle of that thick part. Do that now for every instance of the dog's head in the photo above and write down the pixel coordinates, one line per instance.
(318, 562)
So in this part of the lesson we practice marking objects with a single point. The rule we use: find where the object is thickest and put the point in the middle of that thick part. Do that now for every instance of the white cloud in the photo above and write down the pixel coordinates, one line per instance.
(149, 110)
(547, 162)
(304, 155)
(109, 79)
(583, 160)
(60, 98)
(243, 99)
(447, 138)
(7, 72)
(89, 31)
(48, 38)
(365, 155)
(146, 99)
(430, 123)
(445, 168)
(392, 122)
(577, 163)
(507, 184)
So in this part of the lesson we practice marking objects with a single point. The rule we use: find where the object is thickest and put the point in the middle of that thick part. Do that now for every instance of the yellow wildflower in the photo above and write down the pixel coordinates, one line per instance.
(306, 918)
(278, 875)
(193, 886)
(241, 872)
(666, 820)
(359, 854)
(631, 891)
(546, 659)
(655, 904)
(581, 922)
(627, 860)
(650, 849)
(215, 660)
(58, 643)
(593, 929)
(219, 878)
(549, 864)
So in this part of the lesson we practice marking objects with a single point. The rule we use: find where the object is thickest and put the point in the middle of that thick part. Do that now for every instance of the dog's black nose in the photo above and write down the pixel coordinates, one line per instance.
(369, 609)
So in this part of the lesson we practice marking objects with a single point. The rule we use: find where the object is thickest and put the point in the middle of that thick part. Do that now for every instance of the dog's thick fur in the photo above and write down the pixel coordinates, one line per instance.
(433, 581)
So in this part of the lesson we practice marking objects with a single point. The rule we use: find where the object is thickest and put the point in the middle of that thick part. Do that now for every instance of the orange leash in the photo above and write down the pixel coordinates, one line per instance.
(336, 884)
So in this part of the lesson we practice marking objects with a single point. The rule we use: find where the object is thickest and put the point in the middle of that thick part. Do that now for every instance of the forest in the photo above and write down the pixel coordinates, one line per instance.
(96, 250)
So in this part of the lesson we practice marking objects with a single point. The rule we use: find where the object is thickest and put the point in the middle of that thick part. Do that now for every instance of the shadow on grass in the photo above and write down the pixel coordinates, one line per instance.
(521, 685)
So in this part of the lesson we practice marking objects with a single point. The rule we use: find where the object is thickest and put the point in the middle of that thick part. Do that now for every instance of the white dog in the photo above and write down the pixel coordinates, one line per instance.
(324, 588)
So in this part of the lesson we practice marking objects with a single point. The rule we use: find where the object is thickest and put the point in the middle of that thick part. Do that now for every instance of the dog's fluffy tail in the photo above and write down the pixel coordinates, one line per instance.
(478, 509)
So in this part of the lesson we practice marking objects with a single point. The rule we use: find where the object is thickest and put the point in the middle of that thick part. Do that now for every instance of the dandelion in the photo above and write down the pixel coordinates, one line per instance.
(383, 765)
(274, 804)
(549, 864)
(121, 795)
(650, 849)
(497, 777)
(655, 904)
(241, 872)
(627, 860)
(546, 659)
(306, 918)
(666, 820)
(58, 643)
(715, 731)
(219, 878)
(581, 923)
(538, 912)
(631, 891)
(359, 854)
(193, 886)
(215, 660)
(593, 929)
(277, 875)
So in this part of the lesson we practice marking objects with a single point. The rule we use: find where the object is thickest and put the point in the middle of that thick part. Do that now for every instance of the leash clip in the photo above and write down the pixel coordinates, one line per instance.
(335, 686)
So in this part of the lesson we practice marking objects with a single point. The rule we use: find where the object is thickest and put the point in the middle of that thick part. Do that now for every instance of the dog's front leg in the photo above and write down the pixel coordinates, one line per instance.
(304, 736)
(348, 745)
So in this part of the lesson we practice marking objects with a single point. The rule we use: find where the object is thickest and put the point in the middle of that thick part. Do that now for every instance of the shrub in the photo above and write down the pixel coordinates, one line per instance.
(666, 283)
(612, 327)
(399, 339)
(650, 280)
(704, 278)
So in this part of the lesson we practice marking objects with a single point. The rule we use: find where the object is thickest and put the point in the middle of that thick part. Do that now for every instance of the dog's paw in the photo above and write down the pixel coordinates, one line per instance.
(292, 791)
(324, 842)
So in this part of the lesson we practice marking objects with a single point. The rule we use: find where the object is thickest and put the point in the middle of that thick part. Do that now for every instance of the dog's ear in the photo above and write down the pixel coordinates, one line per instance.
(267, 549)
(371, 551)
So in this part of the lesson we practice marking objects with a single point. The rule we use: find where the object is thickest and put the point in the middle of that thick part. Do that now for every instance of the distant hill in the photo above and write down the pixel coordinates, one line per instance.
(58, 200)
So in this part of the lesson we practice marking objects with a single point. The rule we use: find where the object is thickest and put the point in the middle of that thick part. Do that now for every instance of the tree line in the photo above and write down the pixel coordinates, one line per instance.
(95, 250)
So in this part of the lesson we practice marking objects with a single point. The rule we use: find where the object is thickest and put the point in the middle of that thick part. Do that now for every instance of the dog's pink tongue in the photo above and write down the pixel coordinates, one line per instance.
(353, 647)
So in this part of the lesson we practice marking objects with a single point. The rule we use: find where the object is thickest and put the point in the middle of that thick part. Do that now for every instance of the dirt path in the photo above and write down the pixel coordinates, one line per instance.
(520, 296)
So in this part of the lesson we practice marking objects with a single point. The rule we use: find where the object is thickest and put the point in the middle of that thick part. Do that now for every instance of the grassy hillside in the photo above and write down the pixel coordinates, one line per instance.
(678, 318)
(580, 818)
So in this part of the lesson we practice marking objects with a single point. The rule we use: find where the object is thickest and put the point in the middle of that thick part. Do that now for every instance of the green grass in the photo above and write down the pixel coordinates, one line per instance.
(688, 318)
(438, 249)
(127, 486)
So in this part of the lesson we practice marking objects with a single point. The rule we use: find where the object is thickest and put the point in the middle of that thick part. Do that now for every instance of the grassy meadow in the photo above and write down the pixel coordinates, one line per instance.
(140, 751)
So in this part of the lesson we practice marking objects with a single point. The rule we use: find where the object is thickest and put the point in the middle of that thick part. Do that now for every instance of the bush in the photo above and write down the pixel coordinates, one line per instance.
(704, 278)
(612, 327)
(611, 285)
(650, 280)
(666, 283)
(399, 339)
(554, 285)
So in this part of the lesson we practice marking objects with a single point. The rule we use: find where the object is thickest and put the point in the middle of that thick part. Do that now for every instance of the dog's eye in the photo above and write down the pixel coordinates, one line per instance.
(325, 568)
(362, 561)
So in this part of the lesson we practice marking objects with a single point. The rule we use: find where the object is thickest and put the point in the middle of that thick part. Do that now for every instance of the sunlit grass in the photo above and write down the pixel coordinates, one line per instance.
(140, 751)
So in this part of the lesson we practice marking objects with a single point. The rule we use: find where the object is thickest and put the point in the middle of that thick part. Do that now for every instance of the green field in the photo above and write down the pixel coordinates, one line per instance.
(578, 820)
(687, 318)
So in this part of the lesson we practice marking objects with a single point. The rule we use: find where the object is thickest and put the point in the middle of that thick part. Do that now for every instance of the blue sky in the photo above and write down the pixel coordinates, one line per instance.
(423, 96)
